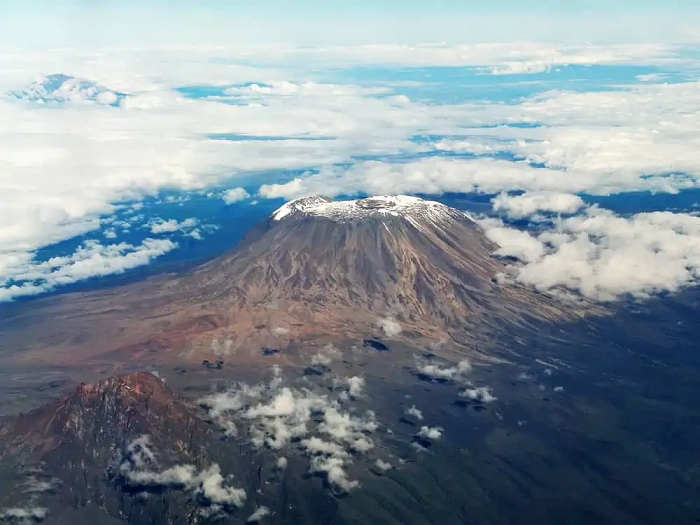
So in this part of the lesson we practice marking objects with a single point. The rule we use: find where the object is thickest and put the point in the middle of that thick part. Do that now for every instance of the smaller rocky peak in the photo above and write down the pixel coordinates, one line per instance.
(132, 386)
(120, 402)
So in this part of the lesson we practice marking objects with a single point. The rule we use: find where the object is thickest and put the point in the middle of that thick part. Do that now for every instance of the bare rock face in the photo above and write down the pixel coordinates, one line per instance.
(123, 450)
(95, 416)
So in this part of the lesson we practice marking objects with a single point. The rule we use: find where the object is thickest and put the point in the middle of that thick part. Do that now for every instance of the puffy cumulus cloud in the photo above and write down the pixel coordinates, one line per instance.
(512, 242)
(333, 467)
(22, 276)
(444, 372)
(383, 465)
(233, 195)
(389, 326)
(172, 225)
(261, 512)
(482, 394)
(325, 356)
(437, 175)
(280, 417)
(138, 470)
(529, 203)
(604, 256)
(558, 389)
(431, 433)
(414, 412)
(352, 386)
(24, 515)
(60, 89)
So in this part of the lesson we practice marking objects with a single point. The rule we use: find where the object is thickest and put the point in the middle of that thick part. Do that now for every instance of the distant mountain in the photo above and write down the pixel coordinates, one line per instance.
(59, 88)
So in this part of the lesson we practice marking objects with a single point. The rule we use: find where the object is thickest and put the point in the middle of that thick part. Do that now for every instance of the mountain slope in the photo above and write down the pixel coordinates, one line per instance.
(401, 267)
(342, 267)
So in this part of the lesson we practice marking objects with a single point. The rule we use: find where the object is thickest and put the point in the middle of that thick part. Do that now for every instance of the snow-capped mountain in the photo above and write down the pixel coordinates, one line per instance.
(60, 89)
(320, 269)
(412, 209)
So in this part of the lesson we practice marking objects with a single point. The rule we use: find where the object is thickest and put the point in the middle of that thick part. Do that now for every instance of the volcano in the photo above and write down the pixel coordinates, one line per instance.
(99, 454)
(396, 267)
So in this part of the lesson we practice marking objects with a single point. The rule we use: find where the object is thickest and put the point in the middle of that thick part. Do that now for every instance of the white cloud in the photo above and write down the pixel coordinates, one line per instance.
(34, 486)
(513, 242)
(137, 469)
(383, 465)
(598, 142)
(413, 411)
(558, 389)
(260, 513)
(280, 331)
(63, 168)
(529, 203)
(604, 256)
(333, 468)
(444, 372)
(281, 463)
(19, 514)
(234, 195)
(90, 260)
(172, 225)
(432, 433)
(307, 89)
(650, 77)
(354, 386)
(482, 394)
(389, 326)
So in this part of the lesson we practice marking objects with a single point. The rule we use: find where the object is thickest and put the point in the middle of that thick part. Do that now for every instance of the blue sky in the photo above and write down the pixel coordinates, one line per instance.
(98, 23)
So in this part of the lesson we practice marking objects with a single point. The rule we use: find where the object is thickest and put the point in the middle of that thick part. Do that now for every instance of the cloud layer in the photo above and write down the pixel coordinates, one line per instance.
(604, 256)
(131, 124)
